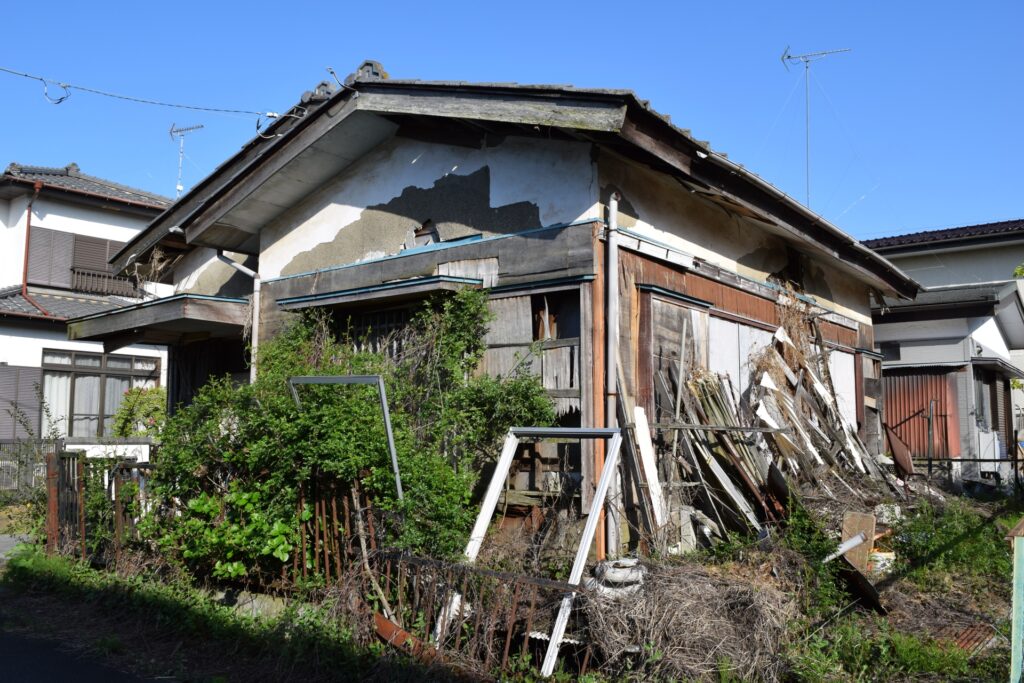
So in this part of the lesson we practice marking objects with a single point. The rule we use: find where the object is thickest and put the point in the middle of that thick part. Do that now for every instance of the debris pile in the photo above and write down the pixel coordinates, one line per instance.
(687, 622)
(741, 458)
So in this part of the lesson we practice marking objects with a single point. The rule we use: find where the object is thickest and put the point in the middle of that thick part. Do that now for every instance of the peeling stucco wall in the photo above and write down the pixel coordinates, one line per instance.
(370, 209)
(201, 272)
(655, 205)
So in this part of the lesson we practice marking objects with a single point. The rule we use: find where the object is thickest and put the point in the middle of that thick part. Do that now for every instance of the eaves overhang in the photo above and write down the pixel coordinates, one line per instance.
(176, 319)
(228, 208)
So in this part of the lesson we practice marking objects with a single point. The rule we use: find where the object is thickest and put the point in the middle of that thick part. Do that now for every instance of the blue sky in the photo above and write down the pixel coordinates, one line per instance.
(918, 127)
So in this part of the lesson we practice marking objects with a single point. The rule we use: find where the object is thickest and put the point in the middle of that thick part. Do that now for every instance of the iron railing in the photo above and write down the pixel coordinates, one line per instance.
(99, 282)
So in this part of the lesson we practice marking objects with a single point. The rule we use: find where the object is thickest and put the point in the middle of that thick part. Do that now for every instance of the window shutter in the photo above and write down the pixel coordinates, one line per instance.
(49, 257)
(90, 254)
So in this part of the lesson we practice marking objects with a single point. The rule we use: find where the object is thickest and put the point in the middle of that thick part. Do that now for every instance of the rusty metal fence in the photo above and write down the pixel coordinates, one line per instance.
(476, 620)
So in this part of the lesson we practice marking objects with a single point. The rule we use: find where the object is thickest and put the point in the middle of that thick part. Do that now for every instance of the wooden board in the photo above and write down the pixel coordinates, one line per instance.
(853, 524)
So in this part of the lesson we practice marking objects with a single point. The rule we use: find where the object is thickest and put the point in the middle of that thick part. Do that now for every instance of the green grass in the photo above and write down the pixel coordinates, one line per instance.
(302, 635)
(859, 648)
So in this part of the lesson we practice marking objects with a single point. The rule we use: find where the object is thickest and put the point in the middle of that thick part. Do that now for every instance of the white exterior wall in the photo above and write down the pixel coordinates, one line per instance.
(12, 240)
(55, 215)
(985, 332)
(657, 206)
(23, 346)
(938, 267)
(558, 177)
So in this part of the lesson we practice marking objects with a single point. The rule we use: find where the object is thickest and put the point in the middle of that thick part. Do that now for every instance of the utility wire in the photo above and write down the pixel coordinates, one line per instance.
(68, 87)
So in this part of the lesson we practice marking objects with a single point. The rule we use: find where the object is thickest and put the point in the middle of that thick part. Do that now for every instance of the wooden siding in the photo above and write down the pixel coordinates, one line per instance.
(727, 301)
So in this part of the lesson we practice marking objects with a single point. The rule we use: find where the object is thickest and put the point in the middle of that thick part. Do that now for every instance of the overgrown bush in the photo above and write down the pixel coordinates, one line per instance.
(142, 412)
(233, 463)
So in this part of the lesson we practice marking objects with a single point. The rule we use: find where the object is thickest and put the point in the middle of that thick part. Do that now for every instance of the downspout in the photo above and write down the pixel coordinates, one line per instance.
(255, 307)
(28, 239)
(611, 323)
(611, 348)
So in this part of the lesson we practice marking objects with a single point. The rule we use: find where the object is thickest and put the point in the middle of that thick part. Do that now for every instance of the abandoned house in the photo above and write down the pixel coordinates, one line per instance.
(601, 231)
(950, 355)
(58, 229)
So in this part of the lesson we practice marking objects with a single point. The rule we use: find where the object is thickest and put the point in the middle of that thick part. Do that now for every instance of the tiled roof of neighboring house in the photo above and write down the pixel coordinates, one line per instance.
(966, 232)
(71, 178)
(60, 305)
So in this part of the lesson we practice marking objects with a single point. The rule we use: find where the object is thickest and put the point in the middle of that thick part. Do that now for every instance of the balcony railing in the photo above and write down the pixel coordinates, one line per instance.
(97, 282)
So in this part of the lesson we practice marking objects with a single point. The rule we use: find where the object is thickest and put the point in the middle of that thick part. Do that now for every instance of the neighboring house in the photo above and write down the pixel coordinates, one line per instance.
(58, 228)
(950, 355)
(367, 198)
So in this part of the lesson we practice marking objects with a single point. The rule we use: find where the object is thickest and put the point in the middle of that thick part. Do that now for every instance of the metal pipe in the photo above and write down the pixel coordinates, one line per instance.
(256, 286)
(846, 546)
(611, 322)
(28, 238)
(611, 347)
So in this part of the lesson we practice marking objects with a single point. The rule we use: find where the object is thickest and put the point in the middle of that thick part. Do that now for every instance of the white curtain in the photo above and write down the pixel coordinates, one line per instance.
(86, 419)
(112, 398)
(57, 395)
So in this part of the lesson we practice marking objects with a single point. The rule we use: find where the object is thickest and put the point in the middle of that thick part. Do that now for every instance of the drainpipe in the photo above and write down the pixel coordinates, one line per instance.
(611, 321)
(28, 238)
(255, 307)
(611, 347)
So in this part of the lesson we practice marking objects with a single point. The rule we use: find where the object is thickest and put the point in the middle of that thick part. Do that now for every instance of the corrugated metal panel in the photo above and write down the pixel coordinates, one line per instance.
(908, 393)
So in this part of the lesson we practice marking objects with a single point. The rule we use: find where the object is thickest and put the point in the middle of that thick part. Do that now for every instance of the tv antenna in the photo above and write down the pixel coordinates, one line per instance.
(180, 133)
(806, 60)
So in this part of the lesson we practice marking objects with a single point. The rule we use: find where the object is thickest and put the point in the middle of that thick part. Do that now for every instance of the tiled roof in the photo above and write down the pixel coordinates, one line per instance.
(60, 305)
(947, 234)
(72, 179)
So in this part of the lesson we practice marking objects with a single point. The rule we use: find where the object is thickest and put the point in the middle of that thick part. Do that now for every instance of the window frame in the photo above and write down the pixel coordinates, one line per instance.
(103, 371)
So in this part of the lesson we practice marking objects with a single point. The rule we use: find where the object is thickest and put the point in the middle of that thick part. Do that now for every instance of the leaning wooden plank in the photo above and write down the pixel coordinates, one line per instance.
(558, 630)
(647, 460)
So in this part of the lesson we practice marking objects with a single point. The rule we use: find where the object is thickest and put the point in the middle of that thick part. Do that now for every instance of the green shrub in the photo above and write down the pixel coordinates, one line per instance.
(233, 463)
(858, 649)
(142, 412)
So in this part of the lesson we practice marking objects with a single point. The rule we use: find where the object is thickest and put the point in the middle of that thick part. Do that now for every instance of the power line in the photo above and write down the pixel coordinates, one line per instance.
(68, 87)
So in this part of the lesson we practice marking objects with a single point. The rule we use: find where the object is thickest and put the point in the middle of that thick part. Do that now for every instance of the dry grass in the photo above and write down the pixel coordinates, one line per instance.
(692, 622)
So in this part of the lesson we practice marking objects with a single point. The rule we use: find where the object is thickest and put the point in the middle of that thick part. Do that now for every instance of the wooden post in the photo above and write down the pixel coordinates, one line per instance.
(52, 476)
(1016, 537)
(118, 513)
(80, 467)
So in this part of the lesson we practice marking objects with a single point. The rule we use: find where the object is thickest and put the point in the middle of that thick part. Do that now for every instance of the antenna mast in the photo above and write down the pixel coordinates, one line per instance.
(806, 59)
(180, 134)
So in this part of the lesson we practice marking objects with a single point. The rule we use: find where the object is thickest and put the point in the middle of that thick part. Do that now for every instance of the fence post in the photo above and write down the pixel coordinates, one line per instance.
(81, 501)
(118, 512)
(1016, 537)
(52, 475)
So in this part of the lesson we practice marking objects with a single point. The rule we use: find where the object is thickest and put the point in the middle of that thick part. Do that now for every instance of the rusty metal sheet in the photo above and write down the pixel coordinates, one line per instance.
(908, 393)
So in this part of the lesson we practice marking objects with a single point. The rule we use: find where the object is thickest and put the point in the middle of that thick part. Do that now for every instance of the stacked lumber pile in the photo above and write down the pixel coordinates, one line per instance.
(734, 461)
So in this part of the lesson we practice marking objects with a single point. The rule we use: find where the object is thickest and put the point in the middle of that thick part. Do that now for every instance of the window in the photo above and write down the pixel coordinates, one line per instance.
(82, 391)
(889, 350)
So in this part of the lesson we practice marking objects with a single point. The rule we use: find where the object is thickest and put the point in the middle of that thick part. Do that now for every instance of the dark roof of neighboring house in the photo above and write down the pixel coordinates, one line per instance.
(61, 305)
(614, 118)
(964, 233)
(71, 179)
